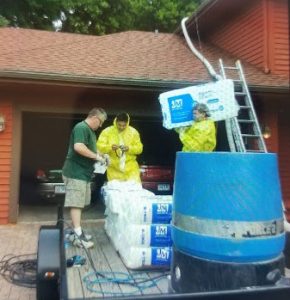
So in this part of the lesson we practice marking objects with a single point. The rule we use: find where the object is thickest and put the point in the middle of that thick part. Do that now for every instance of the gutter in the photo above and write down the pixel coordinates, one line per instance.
(269, 89)
(65, 79)
(110, 82)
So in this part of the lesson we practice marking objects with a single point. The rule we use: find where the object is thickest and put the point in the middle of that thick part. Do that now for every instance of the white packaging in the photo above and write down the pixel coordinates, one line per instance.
(137, 243)
(116, 193)
(146, 257)
(152, 209)
(119, 201)
(112, 229)
(177, 105)
(146, 235)
(128, 185)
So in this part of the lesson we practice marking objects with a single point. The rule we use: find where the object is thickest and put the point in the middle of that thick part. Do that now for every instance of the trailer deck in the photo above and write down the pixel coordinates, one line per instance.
(107, 261)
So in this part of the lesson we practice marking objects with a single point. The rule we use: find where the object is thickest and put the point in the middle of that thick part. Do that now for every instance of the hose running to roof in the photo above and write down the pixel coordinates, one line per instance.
(197, 53)
(214, 75)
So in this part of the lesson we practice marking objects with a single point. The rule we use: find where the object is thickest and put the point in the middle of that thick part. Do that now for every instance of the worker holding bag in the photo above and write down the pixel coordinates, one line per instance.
(201, 135)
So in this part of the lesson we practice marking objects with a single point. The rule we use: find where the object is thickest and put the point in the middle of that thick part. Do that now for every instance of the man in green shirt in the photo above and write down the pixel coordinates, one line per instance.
(78, 169)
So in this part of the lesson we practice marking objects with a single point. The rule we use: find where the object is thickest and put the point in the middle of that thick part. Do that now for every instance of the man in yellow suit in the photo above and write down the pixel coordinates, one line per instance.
(122, 143)
(201, 135)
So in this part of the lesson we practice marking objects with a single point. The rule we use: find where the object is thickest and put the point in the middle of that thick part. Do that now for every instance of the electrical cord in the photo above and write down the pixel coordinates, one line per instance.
(19, 269)
(139, 283)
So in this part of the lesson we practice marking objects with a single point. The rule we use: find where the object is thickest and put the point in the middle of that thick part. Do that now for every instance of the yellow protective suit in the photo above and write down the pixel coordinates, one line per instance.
(123, 166)
(199, 137)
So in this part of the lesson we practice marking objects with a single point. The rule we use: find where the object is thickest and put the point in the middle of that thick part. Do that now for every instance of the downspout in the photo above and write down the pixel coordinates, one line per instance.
(209, 67)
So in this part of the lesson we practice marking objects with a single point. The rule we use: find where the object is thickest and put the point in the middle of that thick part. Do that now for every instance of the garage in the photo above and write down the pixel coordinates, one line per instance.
(44, 115)
(45, 136)
(45, 139)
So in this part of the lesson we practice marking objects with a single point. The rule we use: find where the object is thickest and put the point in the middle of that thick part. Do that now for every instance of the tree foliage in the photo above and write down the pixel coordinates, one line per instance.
(96, 16)
(3, 21)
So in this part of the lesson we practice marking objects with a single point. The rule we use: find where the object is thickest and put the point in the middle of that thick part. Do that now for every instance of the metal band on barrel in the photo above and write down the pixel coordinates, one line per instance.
(227, 229)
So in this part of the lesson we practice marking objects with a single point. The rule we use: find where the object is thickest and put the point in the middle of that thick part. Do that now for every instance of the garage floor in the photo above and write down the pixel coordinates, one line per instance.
(48, 213)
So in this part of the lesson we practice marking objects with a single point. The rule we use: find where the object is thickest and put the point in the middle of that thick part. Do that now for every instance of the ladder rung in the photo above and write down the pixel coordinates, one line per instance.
(250, 135)
(244, 107)
(231, 68)
(246, 121)
(254, 150)
(236, 80)
(240, 94)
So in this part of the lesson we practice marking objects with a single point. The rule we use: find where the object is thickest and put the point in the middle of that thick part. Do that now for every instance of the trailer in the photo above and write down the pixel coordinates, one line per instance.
(104, 275)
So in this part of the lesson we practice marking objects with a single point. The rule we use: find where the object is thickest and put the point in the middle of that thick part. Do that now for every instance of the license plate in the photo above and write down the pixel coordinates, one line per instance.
(163, 187)
(59, 189)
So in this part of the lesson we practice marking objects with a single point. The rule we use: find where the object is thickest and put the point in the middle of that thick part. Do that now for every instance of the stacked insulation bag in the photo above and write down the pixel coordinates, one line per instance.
(138, 224)
(219, 96)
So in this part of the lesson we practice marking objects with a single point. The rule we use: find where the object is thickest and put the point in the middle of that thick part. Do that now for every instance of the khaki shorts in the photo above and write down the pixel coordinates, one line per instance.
(77, 193)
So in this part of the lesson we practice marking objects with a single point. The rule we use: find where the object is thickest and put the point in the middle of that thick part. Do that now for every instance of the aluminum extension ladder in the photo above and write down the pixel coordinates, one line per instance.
(244, 132)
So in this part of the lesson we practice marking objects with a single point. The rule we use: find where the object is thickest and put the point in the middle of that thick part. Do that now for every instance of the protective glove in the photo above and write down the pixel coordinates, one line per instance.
(100, 158)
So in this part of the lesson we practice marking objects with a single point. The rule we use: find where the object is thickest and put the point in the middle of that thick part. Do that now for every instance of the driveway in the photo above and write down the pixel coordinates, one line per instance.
(17, 240)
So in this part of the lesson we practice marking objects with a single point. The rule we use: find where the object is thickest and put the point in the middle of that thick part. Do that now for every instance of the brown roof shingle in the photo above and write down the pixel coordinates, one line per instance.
(131, 55)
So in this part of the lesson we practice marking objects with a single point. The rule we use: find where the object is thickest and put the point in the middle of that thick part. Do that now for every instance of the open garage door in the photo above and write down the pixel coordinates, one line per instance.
(45, 141)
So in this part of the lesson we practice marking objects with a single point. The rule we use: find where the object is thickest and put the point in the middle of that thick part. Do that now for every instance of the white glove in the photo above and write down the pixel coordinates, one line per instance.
(100, 158)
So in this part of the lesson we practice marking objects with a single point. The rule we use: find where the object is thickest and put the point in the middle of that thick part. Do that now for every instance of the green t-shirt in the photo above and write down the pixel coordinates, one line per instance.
(77, 166)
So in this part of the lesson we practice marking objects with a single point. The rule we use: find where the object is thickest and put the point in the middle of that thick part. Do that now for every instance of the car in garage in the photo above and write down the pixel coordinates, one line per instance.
(49, 184)
(155, 178)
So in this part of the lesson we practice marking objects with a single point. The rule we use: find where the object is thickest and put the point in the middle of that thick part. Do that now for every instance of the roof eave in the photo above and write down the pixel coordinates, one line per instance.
(93, 81)
(269, 89)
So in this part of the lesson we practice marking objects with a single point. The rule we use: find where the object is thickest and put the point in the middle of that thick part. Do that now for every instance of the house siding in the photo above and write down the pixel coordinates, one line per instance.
(279, 37)
(243, 36)
(5, 161)
(258, 35)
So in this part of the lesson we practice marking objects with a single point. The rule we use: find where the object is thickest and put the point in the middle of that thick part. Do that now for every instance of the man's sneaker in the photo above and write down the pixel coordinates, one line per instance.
(72, 236)
(82, 242)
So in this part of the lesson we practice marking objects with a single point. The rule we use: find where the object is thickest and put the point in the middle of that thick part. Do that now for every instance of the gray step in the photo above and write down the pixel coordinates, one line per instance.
(246, 121)
(255, 151)
(250, 135)
(240, 94)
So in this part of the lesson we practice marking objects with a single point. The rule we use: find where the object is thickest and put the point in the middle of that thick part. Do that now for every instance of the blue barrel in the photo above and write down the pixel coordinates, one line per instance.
(227, 206)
